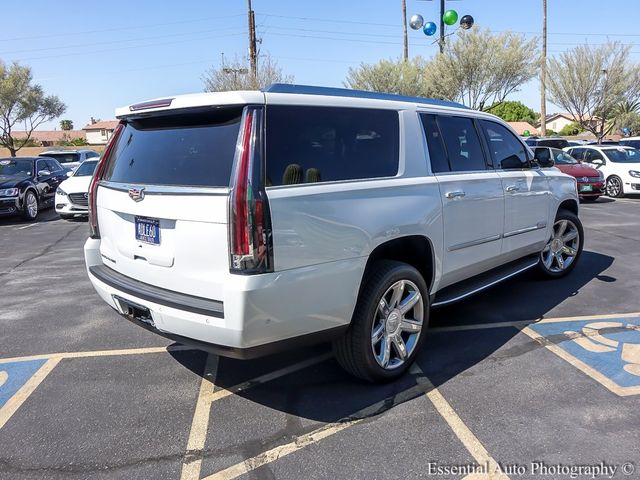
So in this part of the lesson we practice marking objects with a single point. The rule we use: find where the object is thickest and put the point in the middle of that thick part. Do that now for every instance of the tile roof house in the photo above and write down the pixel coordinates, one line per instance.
(48, 138)
(520, 128)
(99, 132)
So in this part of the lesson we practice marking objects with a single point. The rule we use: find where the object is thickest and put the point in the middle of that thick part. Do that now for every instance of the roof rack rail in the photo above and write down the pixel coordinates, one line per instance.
(347, 92)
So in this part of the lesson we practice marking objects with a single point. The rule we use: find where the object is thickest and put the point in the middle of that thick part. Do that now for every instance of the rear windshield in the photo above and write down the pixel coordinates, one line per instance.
(553, 142)
(194, 149)
(64, 157)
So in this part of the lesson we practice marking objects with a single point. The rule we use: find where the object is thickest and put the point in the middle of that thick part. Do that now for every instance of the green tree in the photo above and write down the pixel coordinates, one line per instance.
(572, 128)
(391, 76)
(23, 103)
(590, 82)
(235, 75)
(66, 124)
(512, 111)
(481, 69)
(630, 120)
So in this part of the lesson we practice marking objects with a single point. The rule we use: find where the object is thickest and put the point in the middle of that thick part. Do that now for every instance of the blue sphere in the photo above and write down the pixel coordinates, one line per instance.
(430, 28)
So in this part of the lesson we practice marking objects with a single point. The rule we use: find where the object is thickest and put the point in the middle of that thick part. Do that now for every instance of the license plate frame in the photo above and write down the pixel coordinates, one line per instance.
(147, 230)
(586, 188)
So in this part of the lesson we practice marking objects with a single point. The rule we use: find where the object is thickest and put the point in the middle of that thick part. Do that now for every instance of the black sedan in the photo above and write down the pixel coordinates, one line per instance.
(28, 184)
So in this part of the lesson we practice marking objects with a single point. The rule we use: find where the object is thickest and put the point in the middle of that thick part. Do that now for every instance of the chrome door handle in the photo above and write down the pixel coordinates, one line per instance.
(455, 194)
(512, 188)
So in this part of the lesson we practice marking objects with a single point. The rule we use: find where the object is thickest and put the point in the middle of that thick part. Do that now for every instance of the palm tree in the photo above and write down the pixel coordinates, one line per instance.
(66, 124)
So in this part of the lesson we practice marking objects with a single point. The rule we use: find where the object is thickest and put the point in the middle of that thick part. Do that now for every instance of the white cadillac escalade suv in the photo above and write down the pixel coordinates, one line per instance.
(248, 222)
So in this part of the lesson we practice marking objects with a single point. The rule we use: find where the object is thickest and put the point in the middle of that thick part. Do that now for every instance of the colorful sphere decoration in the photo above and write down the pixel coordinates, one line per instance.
(526, 133)
(416, 22)
(466, 22)
(430, 28)
(450, 17)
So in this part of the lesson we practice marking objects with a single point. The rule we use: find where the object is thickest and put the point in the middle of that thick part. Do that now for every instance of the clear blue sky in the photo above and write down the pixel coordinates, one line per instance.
(99, 55)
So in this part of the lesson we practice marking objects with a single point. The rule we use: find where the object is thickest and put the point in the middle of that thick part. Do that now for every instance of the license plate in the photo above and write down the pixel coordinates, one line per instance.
(148, 230)
(586, 188)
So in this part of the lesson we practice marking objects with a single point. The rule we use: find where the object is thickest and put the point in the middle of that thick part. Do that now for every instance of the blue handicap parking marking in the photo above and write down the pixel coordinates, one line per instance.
(14, 375)
(610, 346)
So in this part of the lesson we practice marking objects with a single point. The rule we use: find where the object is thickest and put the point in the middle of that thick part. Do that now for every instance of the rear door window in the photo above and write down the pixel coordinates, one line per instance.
(462, 143)
(437, 153)
(326, 144)
(193, 149)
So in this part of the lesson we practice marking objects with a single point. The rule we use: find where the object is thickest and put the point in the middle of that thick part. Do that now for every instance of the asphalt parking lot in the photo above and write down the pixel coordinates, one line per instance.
(538, 377)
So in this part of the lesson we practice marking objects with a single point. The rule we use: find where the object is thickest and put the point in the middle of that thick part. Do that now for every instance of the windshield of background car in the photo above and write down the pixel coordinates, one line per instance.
(189, 149)
(563, 158)
(623, 155)
(85, 169)
(553, 143)
(64, 157)
(16, 167)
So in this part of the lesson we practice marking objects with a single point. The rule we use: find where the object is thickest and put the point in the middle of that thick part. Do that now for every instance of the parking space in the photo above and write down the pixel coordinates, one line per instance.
(536, 375)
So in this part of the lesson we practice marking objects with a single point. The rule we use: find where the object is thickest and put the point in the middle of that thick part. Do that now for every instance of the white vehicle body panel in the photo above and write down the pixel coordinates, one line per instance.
(323, 233)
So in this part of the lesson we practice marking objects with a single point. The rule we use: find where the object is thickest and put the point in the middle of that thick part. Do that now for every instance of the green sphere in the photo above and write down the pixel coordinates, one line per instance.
(526, 133)
(450, 17)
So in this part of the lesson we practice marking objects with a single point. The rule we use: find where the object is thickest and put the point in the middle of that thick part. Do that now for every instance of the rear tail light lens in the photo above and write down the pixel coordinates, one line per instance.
(249, 219)
(94, 231)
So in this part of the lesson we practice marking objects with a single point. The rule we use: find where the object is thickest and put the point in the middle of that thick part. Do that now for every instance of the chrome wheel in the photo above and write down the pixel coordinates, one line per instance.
(562, 248)
(614, 187)
(397, 324)
(32, 205)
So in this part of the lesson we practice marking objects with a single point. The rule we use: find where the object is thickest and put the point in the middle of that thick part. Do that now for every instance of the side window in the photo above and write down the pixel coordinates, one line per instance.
(92, 155)
(437, 153)
(505, 148)
(591, 155)
(324, 144)
(40, 165)
(577, 153)
(53, 166)
(462, 143)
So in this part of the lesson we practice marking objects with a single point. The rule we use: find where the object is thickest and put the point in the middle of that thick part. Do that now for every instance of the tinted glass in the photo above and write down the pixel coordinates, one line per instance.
(553, 142)
(505, 148)
(324, 144)
(624, 155)
(194, 149)
(53, 166)
(65, 157)
(630, 143)
(591, 155)
(437, 153)
(462, 144)
(86, 169)
(563, 158)
(16, 167)
(577, 153)
(92, 154)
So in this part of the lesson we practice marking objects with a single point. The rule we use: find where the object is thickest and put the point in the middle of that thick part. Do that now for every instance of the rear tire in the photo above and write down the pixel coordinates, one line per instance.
(614, 187)
(562, 251)
(388, 325)
(30, 206)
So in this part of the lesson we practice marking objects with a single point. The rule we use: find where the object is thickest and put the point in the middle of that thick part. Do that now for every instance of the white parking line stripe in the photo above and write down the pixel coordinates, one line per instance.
(28, 226)
(222, 393)
(464, 434)
(27, 389)
(200, 424)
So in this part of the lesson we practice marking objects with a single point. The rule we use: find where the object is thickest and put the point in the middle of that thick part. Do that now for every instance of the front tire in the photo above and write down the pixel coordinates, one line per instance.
(388, 325)
(562, 251)
(30, 206)
(614, 187)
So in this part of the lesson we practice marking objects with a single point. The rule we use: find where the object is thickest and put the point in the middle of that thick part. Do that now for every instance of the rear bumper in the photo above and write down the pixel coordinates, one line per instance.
(256, 314)
(597, 189)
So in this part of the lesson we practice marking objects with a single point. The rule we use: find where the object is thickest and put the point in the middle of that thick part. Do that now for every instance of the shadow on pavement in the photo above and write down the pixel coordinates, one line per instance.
(47, 215)
(324, 392)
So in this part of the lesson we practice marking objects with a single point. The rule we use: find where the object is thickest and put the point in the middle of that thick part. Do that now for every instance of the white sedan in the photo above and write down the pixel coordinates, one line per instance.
(620, 166)
(72, 194)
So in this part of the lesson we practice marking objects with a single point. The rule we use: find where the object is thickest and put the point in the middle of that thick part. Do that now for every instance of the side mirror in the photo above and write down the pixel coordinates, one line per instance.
(597, 161)
(546, 163)
(512, 162)
(44, 173)
(543, 157)
(68, 174)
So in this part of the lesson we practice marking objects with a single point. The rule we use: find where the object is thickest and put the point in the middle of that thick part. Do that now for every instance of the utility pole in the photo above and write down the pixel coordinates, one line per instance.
(405, 53)
(543, 72)
(253, 56)
(441, 42)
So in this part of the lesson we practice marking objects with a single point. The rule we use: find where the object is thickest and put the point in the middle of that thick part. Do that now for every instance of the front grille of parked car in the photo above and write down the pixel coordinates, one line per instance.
(79, 199)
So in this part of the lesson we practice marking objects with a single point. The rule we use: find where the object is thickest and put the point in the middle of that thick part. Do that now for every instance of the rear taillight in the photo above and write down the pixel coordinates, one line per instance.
(94, 231)
(249, 219)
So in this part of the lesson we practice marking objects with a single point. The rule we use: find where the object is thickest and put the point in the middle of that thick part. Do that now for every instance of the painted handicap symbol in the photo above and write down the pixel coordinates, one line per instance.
(14, 375)
(607, 350)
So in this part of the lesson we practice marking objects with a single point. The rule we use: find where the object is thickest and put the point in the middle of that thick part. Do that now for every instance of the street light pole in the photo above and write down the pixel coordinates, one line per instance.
(441, 42)
(405, 52)
(253, 61)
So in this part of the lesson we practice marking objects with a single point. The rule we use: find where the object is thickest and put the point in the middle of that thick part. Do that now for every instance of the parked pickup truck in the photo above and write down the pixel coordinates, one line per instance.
(249, 222)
